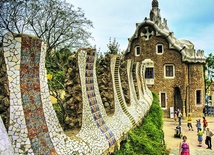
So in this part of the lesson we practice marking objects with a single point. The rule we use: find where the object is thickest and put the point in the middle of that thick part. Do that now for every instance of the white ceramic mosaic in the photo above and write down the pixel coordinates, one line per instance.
(98, 132)
(5, 143)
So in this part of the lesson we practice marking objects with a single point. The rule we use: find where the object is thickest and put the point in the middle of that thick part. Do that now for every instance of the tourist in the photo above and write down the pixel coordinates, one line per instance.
(208, 140)
(189, 122)
(200, 137)
(175, 117)
(179, 117)
(184, 147)
(204, 124)
(198, 125)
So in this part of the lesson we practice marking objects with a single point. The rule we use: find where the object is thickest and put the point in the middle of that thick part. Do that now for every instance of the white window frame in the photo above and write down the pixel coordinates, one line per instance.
(169, 77)
(157, 49)
(136, 47)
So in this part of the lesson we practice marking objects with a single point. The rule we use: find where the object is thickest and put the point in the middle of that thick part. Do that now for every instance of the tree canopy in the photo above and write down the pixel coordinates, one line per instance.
(54, 21)
(209, 68)
(113, 47)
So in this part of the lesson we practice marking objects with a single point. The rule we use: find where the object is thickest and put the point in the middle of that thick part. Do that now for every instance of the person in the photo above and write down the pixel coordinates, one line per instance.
(177, 112)
(198, 125)
(178, 131)
(175, 116)
(200, 137)
(208, 140)
(184, 148)
(204, 124)
(179, 117)
(189, 122)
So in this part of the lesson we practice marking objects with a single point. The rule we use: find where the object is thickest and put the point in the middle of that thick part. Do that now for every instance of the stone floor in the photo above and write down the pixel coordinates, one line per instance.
(173, 143)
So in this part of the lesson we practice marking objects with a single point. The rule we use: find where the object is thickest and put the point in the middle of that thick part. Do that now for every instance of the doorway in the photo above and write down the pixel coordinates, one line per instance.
(178, 104)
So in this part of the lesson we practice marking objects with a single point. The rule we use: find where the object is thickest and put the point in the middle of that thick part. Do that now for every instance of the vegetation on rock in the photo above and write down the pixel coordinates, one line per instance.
(148, 137)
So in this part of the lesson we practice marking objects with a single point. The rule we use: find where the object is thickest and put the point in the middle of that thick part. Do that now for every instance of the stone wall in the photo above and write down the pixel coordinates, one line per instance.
(34, 127)
(105, 84)
(73, 95)
(124, 81)
(196, 83)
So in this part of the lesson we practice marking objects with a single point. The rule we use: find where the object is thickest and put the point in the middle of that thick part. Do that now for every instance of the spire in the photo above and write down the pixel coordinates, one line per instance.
(155, 12)
(155, 3)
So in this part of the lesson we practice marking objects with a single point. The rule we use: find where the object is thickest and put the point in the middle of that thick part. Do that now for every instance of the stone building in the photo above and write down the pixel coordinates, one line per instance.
(174, 69)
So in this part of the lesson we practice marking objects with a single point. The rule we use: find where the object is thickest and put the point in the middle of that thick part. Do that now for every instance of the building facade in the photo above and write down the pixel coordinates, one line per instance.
(177, 73)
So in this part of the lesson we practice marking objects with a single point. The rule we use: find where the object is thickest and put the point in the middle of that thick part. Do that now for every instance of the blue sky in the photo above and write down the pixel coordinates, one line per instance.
(188, 19)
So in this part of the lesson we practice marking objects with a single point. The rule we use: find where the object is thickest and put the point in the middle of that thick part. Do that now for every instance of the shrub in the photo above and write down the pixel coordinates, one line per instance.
(147, 138)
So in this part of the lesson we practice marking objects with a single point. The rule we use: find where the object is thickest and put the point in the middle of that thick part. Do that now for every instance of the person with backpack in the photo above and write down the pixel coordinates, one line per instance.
(204, 124)
(198, 125)
(179, 117)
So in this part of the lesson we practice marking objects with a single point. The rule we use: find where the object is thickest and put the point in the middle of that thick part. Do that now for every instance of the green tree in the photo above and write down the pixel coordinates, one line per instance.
(113, 47)
(209, 69)
(56, 71)
(54, 21)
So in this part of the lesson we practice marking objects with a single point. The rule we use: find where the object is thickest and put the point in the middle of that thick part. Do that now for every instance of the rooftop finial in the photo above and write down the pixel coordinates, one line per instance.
(155, 3)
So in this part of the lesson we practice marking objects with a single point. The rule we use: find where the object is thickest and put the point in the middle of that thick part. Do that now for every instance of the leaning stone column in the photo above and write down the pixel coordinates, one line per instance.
(33, 127)
(27, 127)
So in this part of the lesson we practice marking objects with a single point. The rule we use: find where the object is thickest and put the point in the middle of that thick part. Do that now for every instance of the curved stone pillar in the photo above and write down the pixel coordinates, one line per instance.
(138, 108)
(137, 70)
(33, 127)
(96, 130)
(148, 94)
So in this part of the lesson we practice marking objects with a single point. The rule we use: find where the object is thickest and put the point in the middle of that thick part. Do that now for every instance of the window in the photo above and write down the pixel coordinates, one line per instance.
(169, 71)
(163, 99)
(149, 73)
(198, 96)
(159, 49)
(137, 50)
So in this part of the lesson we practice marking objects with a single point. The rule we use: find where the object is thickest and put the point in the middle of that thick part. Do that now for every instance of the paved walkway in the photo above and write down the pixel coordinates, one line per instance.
(192, 138)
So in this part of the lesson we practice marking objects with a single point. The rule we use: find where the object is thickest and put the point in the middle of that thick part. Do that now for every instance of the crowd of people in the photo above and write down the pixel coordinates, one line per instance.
(201, 128)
